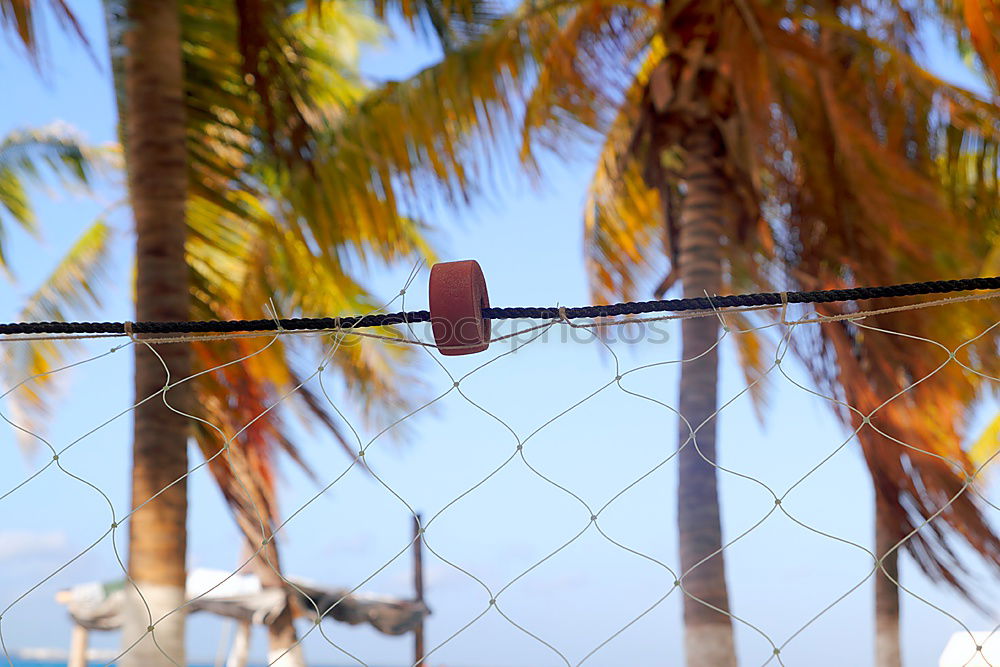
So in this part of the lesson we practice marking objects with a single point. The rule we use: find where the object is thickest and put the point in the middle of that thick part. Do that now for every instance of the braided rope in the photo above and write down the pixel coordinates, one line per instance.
(588, 312)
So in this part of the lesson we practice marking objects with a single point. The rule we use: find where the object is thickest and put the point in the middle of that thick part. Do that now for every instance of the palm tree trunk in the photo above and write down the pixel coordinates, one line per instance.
(708, 634)
(887, 649)
(155, 154)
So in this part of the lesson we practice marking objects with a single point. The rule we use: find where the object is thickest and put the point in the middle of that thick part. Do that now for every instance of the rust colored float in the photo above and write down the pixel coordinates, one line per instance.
(457, 298)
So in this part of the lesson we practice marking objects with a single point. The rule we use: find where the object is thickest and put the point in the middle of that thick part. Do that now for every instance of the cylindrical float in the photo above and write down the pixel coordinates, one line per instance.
(457, 298)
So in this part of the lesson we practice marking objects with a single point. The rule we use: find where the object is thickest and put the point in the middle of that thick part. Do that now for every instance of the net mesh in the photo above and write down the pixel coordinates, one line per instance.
(530, 480)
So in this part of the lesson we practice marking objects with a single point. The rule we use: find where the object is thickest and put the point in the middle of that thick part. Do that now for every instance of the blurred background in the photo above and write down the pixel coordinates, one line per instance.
(511, 183)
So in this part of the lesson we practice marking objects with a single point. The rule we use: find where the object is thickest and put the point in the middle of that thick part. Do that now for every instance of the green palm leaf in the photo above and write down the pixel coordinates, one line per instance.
(27, 157)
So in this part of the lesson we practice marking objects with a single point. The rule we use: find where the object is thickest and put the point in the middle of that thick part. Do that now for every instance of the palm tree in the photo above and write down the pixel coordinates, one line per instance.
(276, 197)
(276, 221)
(832, 202)
(764, 147)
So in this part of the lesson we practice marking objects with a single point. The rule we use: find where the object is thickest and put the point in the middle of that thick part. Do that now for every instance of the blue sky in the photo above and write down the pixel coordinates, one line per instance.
(529, 243)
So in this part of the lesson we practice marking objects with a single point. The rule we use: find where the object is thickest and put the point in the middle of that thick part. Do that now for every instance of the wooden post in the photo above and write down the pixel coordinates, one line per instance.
(239, 652)
(418, 585)
(78, 647)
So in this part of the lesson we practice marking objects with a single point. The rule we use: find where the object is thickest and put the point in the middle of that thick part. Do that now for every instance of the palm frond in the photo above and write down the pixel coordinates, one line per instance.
(630, 225)
(332, 194)
(865, 199)
(242, 259)
(27, 156)
(22, 17)
(974, 26)
(72, 291)
(451, 22)
(756, 355)
(986, 445)
(587, 59)
(433, 135)
(625, 225)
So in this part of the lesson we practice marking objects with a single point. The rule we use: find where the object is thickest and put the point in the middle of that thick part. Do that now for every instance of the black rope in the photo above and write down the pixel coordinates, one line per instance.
(387, 319)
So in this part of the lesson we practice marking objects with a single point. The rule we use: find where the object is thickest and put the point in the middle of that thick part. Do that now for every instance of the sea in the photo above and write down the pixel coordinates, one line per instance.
(22, 662)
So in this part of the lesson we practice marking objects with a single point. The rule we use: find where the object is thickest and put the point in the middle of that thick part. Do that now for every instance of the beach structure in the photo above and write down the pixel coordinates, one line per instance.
(100, 606)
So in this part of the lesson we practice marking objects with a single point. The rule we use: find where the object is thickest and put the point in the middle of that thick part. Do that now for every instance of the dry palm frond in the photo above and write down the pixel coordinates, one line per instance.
(23, 17)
